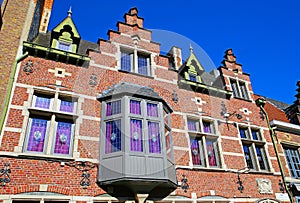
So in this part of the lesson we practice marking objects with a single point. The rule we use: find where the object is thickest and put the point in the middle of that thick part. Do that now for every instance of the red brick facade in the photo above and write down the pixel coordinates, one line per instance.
(50, 174)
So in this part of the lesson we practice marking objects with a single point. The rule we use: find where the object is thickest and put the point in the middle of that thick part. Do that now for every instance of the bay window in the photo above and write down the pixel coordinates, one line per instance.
(144, 119)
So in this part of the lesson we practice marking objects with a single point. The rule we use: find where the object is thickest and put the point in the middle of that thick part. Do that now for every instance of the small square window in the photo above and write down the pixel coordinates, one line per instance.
(43, 101)
(64, 46)
(244, 133)
(152, 110)
(113, 108)
(255, 134)
(135, 107)
(193, 78)
(67, 105)
(208, 127)
(193, 125)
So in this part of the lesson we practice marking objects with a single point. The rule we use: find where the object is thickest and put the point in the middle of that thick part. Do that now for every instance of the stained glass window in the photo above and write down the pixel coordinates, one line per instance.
(37, 135)
(42, 101)
(113, 108)
(152, 110)
(135, 107)
(195, 151)
(66, 105)
(212, 159)
(136, 136)
(154, 137)
(113, 136)
(63, 138)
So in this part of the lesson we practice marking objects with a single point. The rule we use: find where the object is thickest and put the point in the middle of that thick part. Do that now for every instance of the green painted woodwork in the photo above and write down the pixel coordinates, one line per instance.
(203, 86)
(56, 51)
(192, 67)
(67, 21)
(194, 63)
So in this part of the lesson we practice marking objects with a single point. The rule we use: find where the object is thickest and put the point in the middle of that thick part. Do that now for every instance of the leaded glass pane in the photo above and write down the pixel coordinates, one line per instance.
(248, 156)
(63, 138)
(37, 135)
(193, 125)
(42, 101)
(135, 107)
(207, 127)
(154, 137)
(136, 136)
(113, 108)
(212, 159)
(195, 151)
(152, 110)
(113, 136)
(260, 157)
(142, 65)
(126, 61)
(66, 105)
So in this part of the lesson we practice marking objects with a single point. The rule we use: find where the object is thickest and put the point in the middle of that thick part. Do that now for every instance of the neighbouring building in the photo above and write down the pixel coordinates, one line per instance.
(117, 121)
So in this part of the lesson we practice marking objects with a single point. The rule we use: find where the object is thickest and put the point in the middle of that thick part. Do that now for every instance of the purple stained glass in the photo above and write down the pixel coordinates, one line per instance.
(195, 151)
(206, 127)
(152, 110)
(113, 136)
(66, 106)
(125, 61)
(192, 125)
(154, 137)
(136, 136)
(142, 65)
(113, 108)
(63, 138)
(42, 102)
(135, 107)
(37, 135)
(211, 153)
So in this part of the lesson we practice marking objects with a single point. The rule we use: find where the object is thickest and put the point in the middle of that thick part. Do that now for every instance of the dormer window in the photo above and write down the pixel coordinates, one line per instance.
(64, 46)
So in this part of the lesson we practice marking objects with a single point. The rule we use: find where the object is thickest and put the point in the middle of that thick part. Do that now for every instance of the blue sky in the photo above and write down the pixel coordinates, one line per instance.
(264, 34)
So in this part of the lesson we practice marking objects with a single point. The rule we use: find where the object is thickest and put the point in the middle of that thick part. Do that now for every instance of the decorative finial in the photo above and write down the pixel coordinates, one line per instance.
(70, 12)
(191, 49)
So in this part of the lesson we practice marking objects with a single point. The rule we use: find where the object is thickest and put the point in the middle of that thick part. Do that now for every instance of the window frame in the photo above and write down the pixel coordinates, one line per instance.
(135, 55)
(126, 117)
(53, 115)
(253, 145)
(291, 167)
(239, 89)
(202, 139)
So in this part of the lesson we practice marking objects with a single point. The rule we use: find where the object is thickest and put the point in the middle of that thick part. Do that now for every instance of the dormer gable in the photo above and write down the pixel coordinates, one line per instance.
(65, 35)
(192, 69)
(192, 76)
